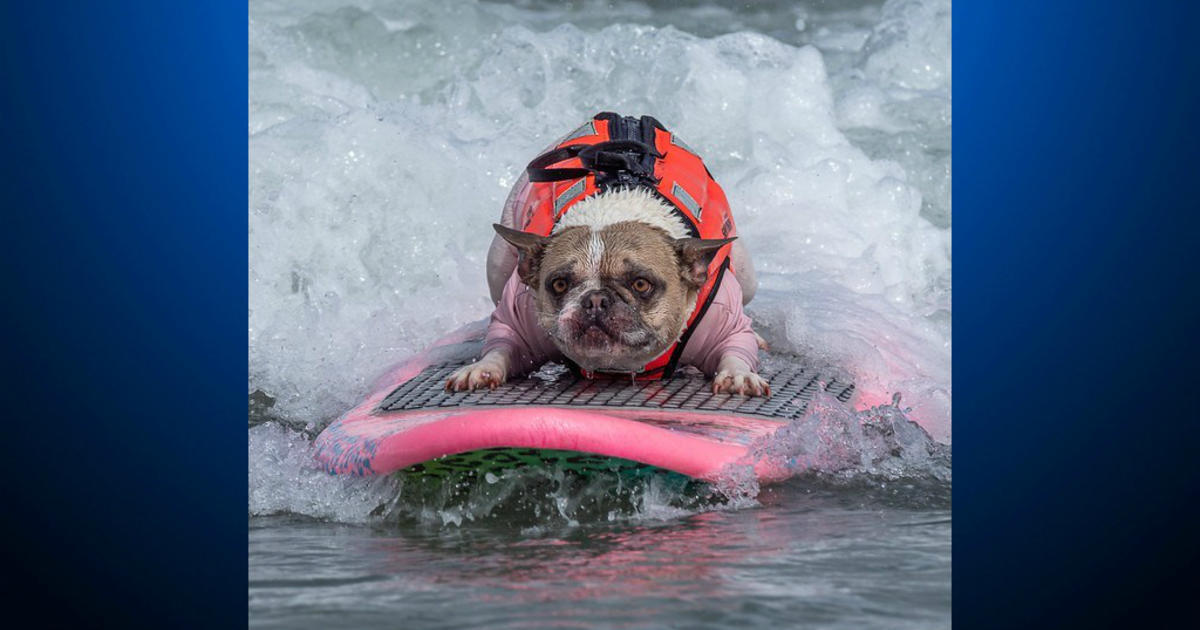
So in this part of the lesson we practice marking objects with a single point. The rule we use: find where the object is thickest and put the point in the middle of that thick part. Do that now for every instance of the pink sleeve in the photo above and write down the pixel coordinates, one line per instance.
(724, 330)
(514, 329)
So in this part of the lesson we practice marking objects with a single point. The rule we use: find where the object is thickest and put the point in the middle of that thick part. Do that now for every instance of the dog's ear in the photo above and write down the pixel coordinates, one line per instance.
(530, 248)
(695, 254)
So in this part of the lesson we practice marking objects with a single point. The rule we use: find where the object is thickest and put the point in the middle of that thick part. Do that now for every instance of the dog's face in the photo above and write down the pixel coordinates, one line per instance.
(614, 297)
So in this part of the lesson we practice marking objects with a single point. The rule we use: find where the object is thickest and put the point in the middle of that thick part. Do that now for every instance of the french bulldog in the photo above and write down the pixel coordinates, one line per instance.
(612, 288)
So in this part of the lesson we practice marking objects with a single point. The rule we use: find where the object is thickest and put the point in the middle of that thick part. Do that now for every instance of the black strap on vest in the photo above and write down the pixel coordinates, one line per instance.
(611, 159)
(625, 160)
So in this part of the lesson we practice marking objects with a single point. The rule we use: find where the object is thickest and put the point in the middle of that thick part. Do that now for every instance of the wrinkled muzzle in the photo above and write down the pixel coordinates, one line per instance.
(600, 331)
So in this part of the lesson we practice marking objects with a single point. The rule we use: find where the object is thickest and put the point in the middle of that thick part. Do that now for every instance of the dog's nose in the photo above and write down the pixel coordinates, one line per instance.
(595, 302)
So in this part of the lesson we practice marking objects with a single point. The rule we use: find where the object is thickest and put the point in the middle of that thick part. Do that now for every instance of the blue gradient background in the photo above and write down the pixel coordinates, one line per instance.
(124, 243)
(1075, 311)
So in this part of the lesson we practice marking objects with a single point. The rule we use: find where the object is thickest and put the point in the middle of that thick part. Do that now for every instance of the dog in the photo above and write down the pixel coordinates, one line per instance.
(612, 270)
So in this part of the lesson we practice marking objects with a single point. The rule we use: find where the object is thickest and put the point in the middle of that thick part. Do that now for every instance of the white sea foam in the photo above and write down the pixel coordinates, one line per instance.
(285, 479)
(384, 137)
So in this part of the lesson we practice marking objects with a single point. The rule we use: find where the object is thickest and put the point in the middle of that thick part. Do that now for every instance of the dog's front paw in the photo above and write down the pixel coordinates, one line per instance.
(486, 372)
(740, 381)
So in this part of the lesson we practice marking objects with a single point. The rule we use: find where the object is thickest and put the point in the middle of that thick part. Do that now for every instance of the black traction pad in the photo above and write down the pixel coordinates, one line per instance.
(792, 387)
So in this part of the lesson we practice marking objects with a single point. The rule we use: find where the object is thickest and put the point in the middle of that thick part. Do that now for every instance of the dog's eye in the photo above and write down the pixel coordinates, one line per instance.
(641, 285)
(559, 285)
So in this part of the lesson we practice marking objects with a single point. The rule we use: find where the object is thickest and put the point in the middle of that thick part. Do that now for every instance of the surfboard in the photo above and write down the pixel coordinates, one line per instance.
(409, 424)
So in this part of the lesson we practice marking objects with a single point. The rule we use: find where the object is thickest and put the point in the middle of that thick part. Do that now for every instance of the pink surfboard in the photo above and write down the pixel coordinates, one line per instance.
(410, 423)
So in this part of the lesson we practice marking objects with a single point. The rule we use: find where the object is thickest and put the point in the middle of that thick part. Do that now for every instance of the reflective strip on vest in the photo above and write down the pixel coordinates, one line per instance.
(687, 200)
(680, 143)
(567, 195)
(588, 129)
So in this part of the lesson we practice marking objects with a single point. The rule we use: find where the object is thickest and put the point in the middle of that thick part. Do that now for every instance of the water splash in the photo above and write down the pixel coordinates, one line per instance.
(834, 443)
(285, 479)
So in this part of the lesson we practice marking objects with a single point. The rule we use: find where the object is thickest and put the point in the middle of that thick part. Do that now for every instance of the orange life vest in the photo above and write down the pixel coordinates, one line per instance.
(611, 151)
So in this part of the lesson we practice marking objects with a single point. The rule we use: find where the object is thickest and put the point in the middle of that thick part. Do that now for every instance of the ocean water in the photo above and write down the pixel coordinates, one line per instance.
(383, 139)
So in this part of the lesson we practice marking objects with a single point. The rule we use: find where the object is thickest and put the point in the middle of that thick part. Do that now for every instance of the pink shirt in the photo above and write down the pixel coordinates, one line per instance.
(724, 330)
